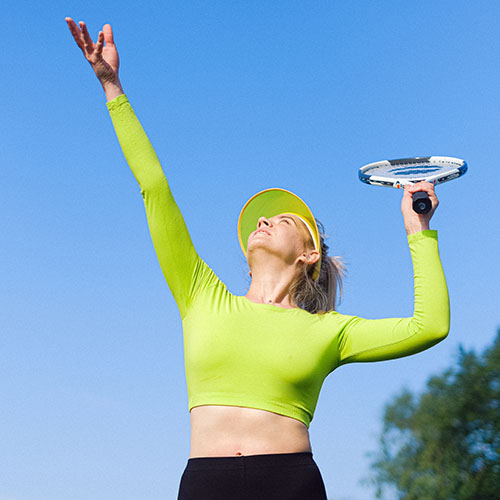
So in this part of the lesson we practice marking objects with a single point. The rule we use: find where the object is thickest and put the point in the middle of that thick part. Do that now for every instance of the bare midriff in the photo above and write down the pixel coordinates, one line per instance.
(225, 431)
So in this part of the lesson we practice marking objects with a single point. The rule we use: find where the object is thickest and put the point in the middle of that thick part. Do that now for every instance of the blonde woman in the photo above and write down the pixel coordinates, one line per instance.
(255, 364)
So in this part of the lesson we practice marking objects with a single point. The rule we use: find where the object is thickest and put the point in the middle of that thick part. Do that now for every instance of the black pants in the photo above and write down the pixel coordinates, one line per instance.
(283, 476)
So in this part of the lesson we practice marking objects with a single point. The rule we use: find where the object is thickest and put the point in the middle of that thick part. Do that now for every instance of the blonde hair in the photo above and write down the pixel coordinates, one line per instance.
(319, 296)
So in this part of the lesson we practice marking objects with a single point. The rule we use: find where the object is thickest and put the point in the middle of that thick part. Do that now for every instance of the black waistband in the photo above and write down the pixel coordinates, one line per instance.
(268, 460)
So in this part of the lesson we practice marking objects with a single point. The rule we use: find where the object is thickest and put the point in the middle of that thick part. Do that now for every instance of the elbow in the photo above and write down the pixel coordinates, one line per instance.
(441, 333)
(432, 318)
(433, 328)
(443, 323)
(155, 185)
(437, 330)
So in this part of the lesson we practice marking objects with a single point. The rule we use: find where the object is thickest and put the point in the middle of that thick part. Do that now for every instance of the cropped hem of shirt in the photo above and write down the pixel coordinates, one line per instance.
(241, 353)
(225, 399)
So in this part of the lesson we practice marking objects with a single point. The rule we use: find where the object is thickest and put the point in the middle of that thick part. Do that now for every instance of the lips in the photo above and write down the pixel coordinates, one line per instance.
(262, 231)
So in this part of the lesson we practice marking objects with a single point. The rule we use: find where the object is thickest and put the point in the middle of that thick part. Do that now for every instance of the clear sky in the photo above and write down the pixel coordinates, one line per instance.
(236, 97)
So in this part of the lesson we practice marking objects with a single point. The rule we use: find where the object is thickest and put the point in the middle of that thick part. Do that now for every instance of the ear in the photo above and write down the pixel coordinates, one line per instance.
(313, 257)
(310, 258)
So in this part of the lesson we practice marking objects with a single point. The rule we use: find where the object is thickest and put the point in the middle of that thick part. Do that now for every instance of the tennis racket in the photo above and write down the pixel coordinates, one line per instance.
(398, 173)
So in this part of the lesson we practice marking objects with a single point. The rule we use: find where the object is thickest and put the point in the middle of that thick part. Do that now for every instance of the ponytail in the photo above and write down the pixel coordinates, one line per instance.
(320, 296)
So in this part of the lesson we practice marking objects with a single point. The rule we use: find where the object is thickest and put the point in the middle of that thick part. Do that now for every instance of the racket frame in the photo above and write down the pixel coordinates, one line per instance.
(459, 169)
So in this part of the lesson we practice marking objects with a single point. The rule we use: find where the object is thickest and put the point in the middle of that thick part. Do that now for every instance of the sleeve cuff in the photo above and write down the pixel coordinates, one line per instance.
(117, 102)
(423, 235)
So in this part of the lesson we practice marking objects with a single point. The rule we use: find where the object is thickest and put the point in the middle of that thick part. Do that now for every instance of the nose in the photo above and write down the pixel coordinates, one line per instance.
(263, 221)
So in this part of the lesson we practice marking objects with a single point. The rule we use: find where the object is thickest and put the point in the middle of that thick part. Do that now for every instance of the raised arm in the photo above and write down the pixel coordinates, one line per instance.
(181, 265)
(381, 339)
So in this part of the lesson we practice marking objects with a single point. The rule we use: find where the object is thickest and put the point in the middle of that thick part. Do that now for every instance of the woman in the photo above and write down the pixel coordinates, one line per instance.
(255, 363)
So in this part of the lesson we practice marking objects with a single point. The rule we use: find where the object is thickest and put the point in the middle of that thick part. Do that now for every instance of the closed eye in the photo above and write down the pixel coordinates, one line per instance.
(287, 219)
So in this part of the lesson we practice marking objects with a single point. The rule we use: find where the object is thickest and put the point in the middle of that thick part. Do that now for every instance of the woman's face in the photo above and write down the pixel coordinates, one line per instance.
(284, 235)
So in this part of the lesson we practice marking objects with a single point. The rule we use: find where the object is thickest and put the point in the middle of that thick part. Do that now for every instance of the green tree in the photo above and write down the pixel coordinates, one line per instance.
(445, 443)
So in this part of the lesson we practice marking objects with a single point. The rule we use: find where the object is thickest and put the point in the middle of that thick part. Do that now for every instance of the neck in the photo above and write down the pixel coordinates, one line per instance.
(271, 284)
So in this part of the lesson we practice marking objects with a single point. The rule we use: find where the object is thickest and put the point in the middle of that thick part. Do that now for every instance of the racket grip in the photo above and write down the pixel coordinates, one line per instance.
(421, 202)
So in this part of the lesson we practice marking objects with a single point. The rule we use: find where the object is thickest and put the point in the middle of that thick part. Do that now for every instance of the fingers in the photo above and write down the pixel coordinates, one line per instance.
(89, 44)
(99, 44)
(75, 31)
(81, 36)
(427, 187)
(84, 40)
(108, 34)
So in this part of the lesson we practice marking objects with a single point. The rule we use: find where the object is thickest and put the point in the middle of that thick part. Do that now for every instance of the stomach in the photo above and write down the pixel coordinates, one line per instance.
(224, 431)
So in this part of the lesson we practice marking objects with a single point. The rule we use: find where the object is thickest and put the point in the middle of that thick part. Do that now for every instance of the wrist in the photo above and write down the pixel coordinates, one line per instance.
(416, 228)
(112, 89)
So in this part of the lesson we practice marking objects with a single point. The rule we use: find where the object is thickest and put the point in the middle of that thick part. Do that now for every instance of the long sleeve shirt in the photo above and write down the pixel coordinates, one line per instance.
(240, 353)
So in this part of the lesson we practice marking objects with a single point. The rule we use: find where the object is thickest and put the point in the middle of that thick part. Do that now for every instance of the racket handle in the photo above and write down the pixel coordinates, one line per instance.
(421, 202)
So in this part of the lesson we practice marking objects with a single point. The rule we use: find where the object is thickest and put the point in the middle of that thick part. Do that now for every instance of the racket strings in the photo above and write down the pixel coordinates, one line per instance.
(409, 170)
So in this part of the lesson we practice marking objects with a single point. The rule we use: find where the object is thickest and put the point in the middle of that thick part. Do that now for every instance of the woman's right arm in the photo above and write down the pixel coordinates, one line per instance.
(179, 261)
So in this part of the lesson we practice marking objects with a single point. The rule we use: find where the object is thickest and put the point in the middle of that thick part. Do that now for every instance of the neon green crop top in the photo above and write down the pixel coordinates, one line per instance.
(240, 353)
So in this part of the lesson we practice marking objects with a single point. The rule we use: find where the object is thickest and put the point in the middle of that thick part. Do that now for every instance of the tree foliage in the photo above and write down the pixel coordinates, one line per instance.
(445, 443)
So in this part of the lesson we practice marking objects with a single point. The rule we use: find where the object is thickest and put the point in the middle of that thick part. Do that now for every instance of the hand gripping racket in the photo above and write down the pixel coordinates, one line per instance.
(398, 173)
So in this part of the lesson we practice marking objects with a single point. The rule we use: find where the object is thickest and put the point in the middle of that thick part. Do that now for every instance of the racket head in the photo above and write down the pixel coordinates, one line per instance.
(403, 171)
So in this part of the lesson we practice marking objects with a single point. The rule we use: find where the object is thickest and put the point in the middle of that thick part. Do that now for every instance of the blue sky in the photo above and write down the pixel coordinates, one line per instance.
(235, 97)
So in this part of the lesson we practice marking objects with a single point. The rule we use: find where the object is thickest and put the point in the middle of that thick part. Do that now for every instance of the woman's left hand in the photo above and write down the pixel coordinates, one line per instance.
(415, 222)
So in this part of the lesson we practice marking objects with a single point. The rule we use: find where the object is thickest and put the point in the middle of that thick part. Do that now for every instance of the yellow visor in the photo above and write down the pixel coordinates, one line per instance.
(276, 201)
